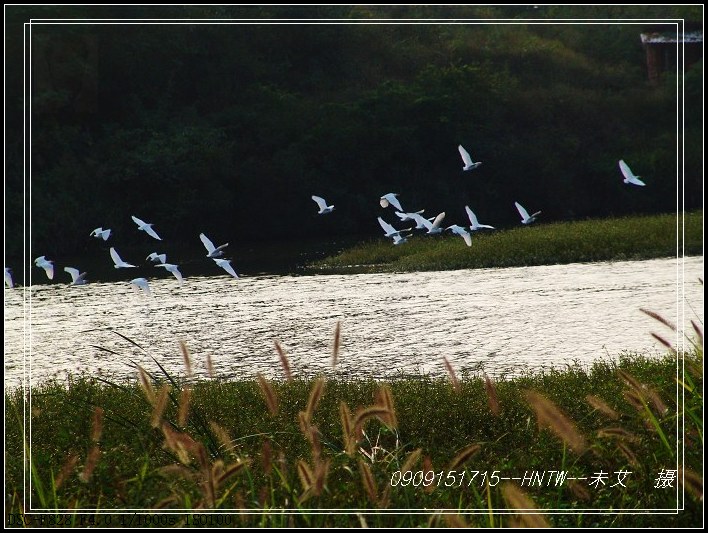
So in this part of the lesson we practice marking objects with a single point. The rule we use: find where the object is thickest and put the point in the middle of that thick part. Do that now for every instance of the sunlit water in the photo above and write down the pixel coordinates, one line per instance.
(501, 321)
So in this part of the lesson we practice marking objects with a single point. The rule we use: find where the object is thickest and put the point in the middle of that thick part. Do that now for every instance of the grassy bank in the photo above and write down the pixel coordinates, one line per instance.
(615, 239)
(304, 445)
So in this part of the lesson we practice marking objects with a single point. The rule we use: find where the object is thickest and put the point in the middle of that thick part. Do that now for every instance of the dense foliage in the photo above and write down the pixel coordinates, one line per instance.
(229, 129)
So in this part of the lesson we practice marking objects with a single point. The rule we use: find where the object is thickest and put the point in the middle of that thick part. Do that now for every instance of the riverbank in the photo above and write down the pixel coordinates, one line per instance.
(611, 239)
(303, 445)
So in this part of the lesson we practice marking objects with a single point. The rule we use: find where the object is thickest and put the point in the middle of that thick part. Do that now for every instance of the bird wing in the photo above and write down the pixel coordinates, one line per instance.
(388, 228)
(466, 159)
(626, 171)
(142, 283)
(151, 232)
(95, 232)
(207, 243)
(226, 265)
(137, 221)
(49, 269)
(524, 214)
(105, 234)
(116, 258)
(438, 220)
(394, 201)
(321, 203)
(177, 274)
(637, 181)
(73, 272)
(468, 238)
(39, 260)
(8, 278)
(472, 217)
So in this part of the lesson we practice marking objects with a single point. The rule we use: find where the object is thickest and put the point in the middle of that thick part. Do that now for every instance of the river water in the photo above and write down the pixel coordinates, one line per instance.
(501, 321)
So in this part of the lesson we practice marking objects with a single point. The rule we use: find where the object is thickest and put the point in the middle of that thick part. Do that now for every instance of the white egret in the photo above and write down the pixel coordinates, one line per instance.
(212, 251)
(8, 278)
(174, 269)
(462, 232)
(322, 204)
(147, 228)
(226, 265)
(390, 198)
(101, 233)
(473, 220)
(525, 218)
(47, 265)
(434, 227)
(388, 228)
(629, 176)
(142, 283)
(154, 256)
(467, 159)
(409, 216)
(76, 277)
(419, 220)
(119, 263)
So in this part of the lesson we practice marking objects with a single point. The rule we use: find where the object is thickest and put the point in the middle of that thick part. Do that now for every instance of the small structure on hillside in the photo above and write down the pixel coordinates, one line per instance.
(665, 50)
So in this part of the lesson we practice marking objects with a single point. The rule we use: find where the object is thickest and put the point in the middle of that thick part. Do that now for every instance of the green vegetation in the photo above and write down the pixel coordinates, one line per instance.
(539, 244)
(256, 447)
(200, 127)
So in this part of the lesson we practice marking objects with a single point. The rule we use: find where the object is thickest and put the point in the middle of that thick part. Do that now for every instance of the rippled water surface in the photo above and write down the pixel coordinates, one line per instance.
(502, 321)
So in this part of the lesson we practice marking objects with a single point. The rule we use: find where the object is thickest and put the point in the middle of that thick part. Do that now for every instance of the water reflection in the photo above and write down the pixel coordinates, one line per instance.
(501, 320)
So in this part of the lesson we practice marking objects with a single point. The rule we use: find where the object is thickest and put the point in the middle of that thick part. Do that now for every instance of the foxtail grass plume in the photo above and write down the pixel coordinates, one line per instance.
(492, 396)
(453, 377)
(336, 343)
(187, 362)
(223, 437)
(629, 454)
(517, 499)
(210, 366)
(146, 385)
(692, 482)
(428, 467)
(97, 425)
(465, 454)
(599, 405)
(184, 397)
(268, 393)
(550, 416)
(66, 470)
(347, 429)
(367, 479)
(284, 361)
(455, 520)
(384, 398)
(617, 433)
(159, 405)
(363, 415)
(411, 460)
(315, 395)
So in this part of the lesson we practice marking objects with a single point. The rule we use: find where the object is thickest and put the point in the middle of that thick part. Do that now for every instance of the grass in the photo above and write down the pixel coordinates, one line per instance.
(641, 237)
(255, 447)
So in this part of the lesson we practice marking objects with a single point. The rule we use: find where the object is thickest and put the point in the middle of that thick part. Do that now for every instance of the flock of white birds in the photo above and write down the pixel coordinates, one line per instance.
(160, 260)
(432, 225)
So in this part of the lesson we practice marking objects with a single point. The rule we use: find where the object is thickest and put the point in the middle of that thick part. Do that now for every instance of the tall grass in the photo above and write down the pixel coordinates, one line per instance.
(641, 237)
(257, 448)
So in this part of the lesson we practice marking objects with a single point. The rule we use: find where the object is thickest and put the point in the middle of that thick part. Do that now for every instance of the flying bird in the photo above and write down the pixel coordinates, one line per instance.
(467, 159)
(154, 256)
(397, 239)
(629, 176)
(434, 227)
(525, 218)
(462, 232)
(142, 283)
(322, 204)
(8, 278)
(101, 233)
(409, 216)
(388, 228)
(226, 265)
(47, 265)
(212, 251)
(174, 269)
(76, 277)
(147, 228)
(119, 263)
(473, 220)
(391, 199)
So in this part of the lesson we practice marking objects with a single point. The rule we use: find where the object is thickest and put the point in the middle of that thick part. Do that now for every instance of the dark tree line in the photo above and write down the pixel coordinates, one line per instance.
(230, 128)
